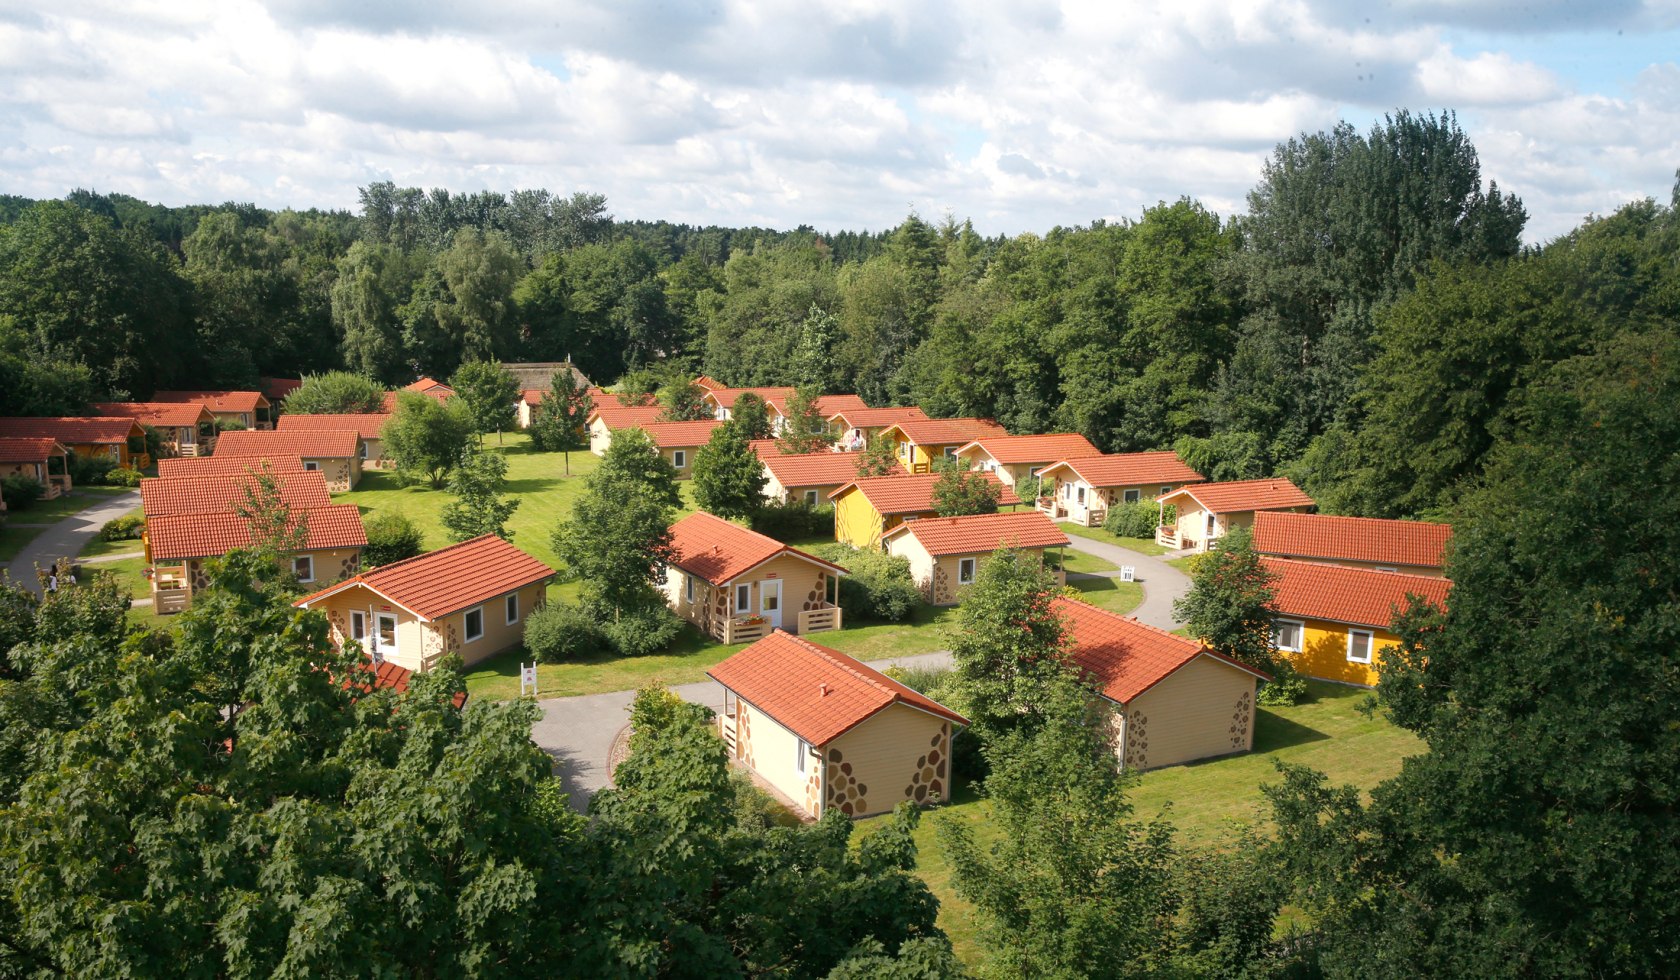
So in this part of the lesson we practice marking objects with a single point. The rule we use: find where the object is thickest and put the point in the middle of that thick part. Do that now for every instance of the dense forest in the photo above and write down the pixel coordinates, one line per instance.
(1370, 327)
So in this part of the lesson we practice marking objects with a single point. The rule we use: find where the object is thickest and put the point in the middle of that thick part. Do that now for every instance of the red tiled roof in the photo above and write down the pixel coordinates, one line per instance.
(717, 550)
(181, 536)
(226, 464)
(167, 496)
(910, 494)
(1126, 657)
(1370, 539)
(390, 676)
(77, 430)
(616, 416)
(1349, 595)
(601, 396)
(817, 693)
(28, 449)
(1237, 496)
(176, 414)
(216, 401)
(725, 397)
(680, 435)
(821, 469)
(983, 532)
(939, 432)
(1015, 450)
(1128, 469)
(308, 443)
(278, 388)
(427, 386)
(366, 425)
(450, 579)
(709, 384)
(869, 418)
(828, 405)
(532, 396)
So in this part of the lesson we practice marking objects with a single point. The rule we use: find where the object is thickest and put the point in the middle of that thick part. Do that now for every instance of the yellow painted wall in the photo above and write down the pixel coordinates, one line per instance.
(499, 634)
(338, 607)
(1324, 652)
(448, 633)
(856, 521)
(686, 470)
(1204, 709)
(888, 758)
(340, 473)
(772, 752)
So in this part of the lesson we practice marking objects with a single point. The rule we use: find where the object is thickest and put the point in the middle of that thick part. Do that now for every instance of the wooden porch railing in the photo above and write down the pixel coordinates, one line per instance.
(1167, 537)
(826, 617)
(1095, 516)
(741, 631)
(168, 601)
(726, 728)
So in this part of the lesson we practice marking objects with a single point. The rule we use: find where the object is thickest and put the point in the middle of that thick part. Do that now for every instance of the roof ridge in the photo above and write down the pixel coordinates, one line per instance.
(1131, 620)
(1338, 569)
(427, 554)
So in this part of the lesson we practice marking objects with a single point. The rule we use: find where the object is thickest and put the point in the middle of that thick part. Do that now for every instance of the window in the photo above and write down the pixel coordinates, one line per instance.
(1165, 491)
(1210, 525)
(310, 465)
(1359, 646)
(965, 571)
(1079, 495)
(950, 452)
(363, 450)
(810, 498)
(1383, 568)
(743, 598)
(679, 458)
(1131, 496)
(473, 622)
(358, 625)
(688, 586)
(799, 755)
(303, 566)
(512, 608)
(1286, 635)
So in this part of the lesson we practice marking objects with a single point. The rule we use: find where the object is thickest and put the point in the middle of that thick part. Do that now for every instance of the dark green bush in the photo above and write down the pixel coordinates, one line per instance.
(21, 491)
(878, 587)
(560, 632)
(1137, 520)
(391, 537)
(643, 631)
(122, 478)
(123, 528)
(1286, 687)
(89, 471)
(794, 521)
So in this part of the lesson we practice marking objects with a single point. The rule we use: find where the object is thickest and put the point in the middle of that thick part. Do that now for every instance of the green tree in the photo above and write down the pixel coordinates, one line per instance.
(479, 507)
(751, 417)
(337, 393)
(879, 458)
(815, 357)
(489, 392)
(560, 422)
(960, 491)
(1535, 836)
(619, 534)
(682, 401)
(373, 280)
(391, 537)
(276, 533)
(1009, 646)
(1231, 601)
(729, 478)
(247, 297)
(463, 308)
(426, 438)
(806, 431)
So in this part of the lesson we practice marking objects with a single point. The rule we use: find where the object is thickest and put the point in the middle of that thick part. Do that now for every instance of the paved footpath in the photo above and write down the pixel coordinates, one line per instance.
(579, 732)
(68, 537)
(1161, 582)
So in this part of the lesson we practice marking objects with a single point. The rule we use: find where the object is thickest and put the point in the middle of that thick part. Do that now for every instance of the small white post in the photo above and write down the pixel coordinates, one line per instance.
(528, 679)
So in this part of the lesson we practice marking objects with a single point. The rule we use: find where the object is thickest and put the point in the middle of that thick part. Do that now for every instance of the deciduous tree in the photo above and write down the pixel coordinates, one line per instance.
(489, 392)
(1231, 601)
(337, 393)
(479, 507)
(960, 491)
(618, 537)
(729, 478)
(806, 431)
(426, 438)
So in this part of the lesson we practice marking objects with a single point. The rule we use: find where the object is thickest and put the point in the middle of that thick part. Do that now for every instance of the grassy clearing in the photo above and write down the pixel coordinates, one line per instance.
(1143, 546)
(1210, 802)
(1109, 593)
(1079, 562)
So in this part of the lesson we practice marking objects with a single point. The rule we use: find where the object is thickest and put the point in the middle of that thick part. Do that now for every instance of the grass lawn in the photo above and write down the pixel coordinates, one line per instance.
(1208, 802)
(1143, 546)
(1079, 561)
(14, 538)
(1109, 593)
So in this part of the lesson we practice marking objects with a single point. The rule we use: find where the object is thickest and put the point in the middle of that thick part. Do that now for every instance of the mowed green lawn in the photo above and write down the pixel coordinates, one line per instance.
(1209, 803)
(13, 538)
(1145, 546)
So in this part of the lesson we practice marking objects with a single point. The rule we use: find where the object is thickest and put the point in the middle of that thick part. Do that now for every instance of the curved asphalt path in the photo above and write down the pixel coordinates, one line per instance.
(1161, 582)
(69, 536)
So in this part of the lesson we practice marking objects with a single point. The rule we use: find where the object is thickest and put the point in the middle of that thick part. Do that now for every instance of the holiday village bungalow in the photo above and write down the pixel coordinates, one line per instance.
(1082, 489)
(178, 545)
(224, 465)
(678, 442)
(117, 438)
(469, 598)
(46, 461)
(1206, 511)
(611, 417)
(806, 478)
(337, 453)
(425, 386)
(183, 429)
(1381, 545)
(866, 509)
(945, 553)
(1332, 620)
(368, 426)
(920, 443)
(737, 585)
(223, 493)
(855, 428)
(1016, 458)
(830, 732)
(236, 409)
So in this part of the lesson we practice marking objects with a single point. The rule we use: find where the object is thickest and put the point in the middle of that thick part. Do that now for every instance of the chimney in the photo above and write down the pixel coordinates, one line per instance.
(824, 689)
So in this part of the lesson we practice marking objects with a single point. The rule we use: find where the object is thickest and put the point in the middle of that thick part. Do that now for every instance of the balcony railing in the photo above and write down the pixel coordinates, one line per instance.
(168, 601)
(825, 617)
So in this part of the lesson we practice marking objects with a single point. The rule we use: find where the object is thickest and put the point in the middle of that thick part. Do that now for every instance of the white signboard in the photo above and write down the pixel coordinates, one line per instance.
(1128, 573)
(528, 679)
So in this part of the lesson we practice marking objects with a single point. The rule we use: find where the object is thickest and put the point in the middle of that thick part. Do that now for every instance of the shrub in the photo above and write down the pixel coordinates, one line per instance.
(793, 520)
(224, 424)
(560, 632)
(1028, 488)
(927, 680)
(20, 491)
(123, 528)
(1286, 687)
(336, 392)
(640, 632)
(122, 478)
(391, 537)
(879, 586)
(1137, 520)
(89, 471)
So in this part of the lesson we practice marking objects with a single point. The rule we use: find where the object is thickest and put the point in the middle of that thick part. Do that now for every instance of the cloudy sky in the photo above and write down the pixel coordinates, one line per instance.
(838, 114)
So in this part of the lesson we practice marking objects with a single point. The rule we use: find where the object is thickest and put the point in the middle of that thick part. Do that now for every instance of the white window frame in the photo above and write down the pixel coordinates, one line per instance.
(1165, 491)
(972, 567)
(466, 625)
(950, 452)
(1131, 496)
(358, 626)
(1079, 495)
(688, 586)
(362, 450)
(1370, 643)
(1300, 635)
(307, 561)
(1212, 525)
(311, 466)
(743, 597)
(679, 458)
(811, 498)
(510, 607)
(800, 755)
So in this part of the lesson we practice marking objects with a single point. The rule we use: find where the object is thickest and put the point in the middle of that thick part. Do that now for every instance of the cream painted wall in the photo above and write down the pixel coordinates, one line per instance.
(883, 752)
(773, 751)
(1192, 713)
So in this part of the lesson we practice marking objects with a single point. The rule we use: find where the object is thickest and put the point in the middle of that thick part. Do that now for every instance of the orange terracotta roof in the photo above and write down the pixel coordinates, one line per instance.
(532, 396)
(626, 416)
(78, 430)
(29, 449)
(910, 494)
(941, 432)
(680, 435)
(366, 425)
(166, 496)
(427, 386)
(175, 414)
(718, 551)
(390, 676)
(817, 693)
(216, 401)
(278, 388)
(1128, 469)
(308, 443)
(1372, 539)
(1238, 496)
(450, 579)
(1125, 657)
(821, 469)
(226, 464)
(709, 384)
(725, 397)
(182, 536)
(982, 533)
(869, 418)
(1015, 450)
(1349, 595)
(601, 396)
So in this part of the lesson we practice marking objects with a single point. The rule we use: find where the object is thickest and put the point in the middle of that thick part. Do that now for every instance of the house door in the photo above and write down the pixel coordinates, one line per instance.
(384, 636)
(770, 601)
